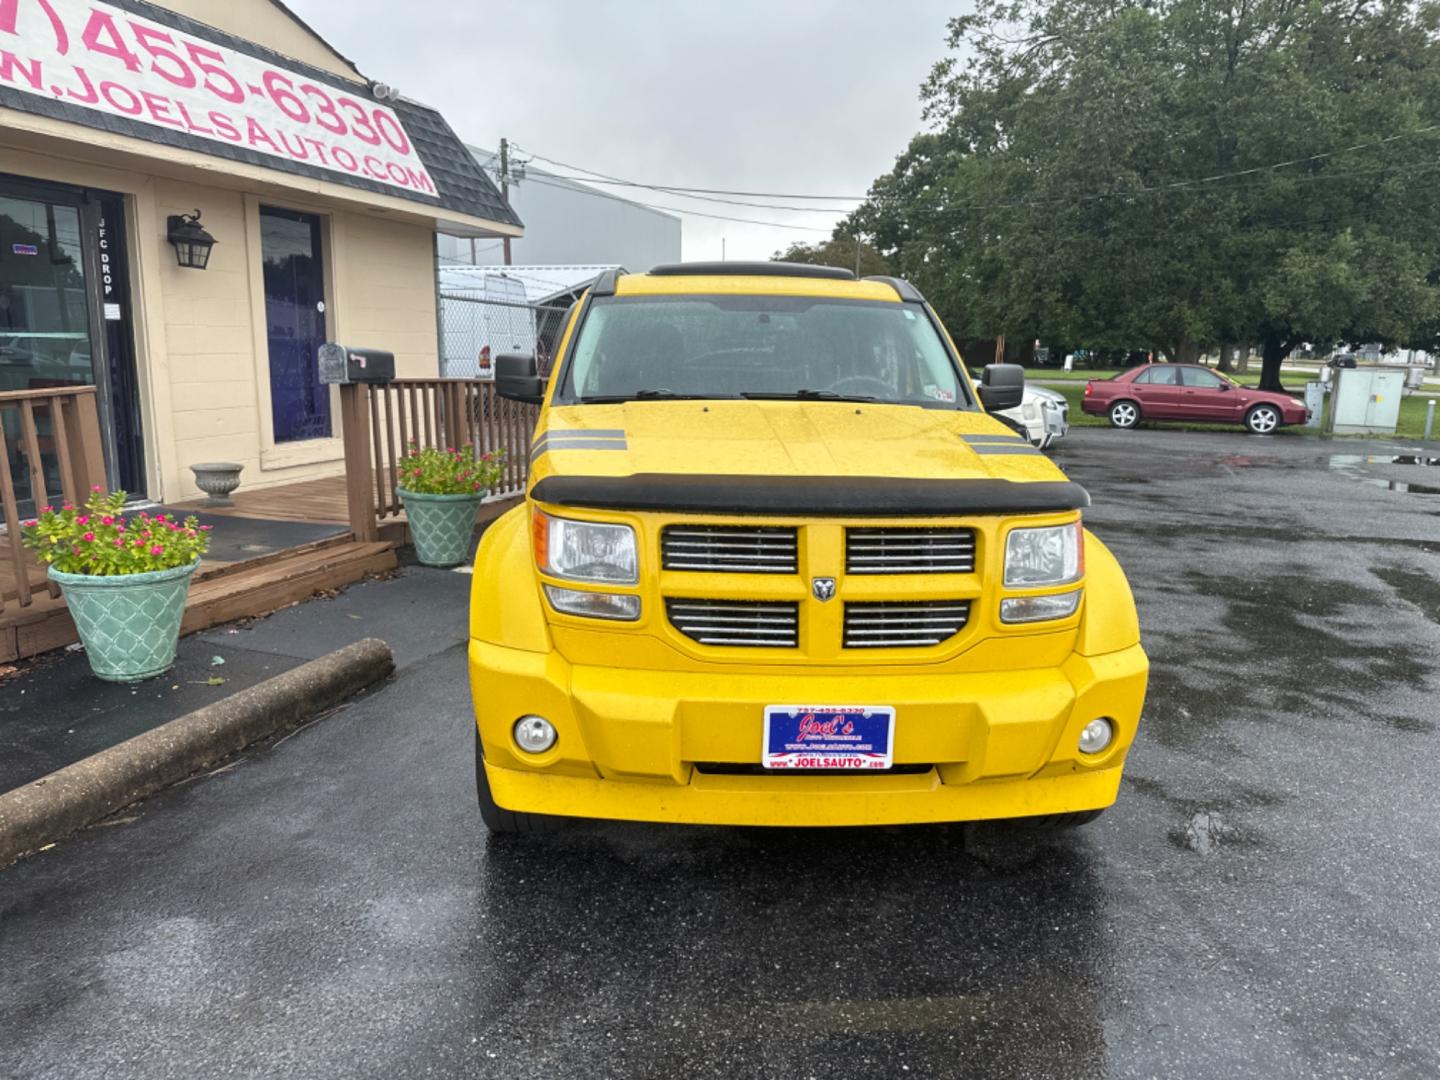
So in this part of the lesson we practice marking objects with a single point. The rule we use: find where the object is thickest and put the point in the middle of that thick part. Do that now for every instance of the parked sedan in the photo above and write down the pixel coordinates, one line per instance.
(1191, 393)
(1044, 415)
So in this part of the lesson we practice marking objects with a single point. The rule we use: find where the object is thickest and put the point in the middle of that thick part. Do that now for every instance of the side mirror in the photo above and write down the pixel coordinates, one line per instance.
(517, 377)
(1002, 386)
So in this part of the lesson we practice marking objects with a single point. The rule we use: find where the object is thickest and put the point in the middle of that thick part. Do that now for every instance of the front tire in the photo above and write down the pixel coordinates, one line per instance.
(1262, 420)
(1124, 414)
(502, 822)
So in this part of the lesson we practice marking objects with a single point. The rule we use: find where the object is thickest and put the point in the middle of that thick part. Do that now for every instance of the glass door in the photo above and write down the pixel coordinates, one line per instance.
(295, 323)
(45, 321)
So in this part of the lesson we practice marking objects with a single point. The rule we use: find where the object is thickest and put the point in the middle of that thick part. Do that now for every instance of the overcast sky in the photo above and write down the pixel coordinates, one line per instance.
(757, 95)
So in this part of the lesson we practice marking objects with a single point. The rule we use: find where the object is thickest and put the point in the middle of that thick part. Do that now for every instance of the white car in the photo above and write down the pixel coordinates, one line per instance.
(1043, 413)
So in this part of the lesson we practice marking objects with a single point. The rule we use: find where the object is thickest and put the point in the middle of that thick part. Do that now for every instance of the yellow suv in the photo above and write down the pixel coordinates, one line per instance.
(776, 565)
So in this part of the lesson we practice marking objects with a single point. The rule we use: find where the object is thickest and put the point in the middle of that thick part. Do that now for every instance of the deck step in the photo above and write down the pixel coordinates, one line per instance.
(224, 592)
(263, 586)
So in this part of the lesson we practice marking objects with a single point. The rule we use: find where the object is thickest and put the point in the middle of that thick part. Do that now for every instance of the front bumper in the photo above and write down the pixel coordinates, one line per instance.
(639, 745)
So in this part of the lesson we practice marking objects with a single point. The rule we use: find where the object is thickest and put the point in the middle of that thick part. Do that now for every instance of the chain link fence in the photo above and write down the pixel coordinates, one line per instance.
(475, 329)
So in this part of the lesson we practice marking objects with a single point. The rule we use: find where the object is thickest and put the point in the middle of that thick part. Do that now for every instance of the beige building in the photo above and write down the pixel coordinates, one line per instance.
(322, 191)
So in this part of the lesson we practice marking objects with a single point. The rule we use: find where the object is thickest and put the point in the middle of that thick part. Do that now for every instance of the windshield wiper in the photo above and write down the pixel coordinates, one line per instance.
(805, 395)
(647, 395)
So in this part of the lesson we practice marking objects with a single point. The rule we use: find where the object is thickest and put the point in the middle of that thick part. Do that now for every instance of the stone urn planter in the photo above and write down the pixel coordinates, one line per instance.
(441, 525)
(129, 624)
(217, 479)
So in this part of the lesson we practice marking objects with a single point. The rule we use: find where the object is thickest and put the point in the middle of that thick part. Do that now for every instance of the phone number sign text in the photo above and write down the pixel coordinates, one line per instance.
(104, 58)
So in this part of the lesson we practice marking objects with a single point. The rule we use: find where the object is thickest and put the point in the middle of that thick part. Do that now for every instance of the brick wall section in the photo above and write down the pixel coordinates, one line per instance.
(209, 342)
(203, 364)
(383, 284)
(387, 292)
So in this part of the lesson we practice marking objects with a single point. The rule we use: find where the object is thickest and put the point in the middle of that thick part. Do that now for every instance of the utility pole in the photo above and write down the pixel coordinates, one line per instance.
(505, 186)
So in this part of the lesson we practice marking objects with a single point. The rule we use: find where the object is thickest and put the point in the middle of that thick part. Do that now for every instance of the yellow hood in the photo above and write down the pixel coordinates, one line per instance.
(781, 438)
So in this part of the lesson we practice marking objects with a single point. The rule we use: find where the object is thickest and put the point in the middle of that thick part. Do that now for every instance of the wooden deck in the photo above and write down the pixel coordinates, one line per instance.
(227, 590)
(321, 501)
(222, 590)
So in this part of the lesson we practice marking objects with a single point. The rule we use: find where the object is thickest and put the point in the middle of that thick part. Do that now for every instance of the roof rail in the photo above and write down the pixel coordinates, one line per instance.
(751, 269)
(903, 288)
(604, 283)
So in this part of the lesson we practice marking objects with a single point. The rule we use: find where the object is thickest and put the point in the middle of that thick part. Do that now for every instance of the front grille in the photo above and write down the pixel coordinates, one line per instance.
(903, 623)
(768, 624)
(728, 549)
(909, 551)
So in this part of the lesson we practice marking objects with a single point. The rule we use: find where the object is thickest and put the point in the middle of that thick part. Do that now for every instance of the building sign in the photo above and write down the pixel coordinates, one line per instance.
(104, 58)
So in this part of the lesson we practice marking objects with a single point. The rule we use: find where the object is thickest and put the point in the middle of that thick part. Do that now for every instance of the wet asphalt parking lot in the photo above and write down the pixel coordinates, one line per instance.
(1260, 902)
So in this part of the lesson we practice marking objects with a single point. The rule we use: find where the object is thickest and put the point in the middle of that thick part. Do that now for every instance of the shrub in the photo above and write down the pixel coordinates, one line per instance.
(432, 471)
(98, 539)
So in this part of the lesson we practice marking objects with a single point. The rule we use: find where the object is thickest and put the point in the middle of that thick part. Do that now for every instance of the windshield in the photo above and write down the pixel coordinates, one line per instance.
(786, 347)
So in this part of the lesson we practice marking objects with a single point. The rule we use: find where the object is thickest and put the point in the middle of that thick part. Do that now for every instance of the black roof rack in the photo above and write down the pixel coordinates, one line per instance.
(751, 269)
(903, 288)
(605, 283)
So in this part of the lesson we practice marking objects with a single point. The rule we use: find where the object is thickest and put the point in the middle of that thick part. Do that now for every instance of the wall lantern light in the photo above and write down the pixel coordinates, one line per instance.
(192, 243)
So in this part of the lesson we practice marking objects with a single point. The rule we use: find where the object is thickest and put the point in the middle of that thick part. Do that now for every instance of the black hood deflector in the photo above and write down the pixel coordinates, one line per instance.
(820, 496)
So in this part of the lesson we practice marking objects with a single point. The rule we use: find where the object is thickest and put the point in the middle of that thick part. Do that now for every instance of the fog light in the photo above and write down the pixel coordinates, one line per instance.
(1025, 609)
(535, 734)
(1096, 737)
(596, 605)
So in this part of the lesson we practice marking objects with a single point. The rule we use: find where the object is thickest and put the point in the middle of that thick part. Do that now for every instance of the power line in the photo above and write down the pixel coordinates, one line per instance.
(1181, 185)
(681, 194)
(598, 177)
(675, 209)
(681, 188)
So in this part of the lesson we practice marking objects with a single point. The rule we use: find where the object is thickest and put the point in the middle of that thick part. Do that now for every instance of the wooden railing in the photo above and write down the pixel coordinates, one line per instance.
(382, 421)
(50, 451)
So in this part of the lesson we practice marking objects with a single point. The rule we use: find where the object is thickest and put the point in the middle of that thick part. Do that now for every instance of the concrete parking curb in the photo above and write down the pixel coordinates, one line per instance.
(54, 806)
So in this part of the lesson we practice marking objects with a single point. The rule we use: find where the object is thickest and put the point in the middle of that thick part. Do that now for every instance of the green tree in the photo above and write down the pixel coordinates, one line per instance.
(840, 250)
(1176, 174)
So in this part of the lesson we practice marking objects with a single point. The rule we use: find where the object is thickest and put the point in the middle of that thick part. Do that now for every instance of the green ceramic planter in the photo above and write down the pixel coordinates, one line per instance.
(128, 624)
(441, 525)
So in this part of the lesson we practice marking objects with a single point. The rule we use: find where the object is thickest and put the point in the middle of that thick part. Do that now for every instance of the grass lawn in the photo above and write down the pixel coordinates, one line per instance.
(1412, 417)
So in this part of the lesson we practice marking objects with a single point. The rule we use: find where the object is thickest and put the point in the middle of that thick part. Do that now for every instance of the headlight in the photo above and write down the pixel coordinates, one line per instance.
(585, 550)
(1049, 556)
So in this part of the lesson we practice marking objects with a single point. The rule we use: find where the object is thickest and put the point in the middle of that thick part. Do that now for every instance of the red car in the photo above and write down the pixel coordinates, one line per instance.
(1188, 392)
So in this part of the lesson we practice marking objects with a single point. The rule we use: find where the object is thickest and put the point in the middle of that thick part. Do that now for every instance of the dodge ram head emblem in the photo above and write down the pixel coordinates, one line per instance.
(823, 588)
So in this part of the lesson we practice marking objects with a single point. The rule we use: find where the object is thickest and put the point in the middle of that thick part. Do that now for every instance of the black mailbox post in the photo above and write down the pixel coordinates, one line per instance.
(341, 364)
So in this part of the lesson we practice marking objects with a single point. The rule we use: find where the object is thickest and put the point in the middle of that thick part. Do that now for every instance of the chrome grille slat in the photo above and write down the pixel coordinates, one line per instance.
(909, 551)
(734, 549)
(754, 624)
(889, 624)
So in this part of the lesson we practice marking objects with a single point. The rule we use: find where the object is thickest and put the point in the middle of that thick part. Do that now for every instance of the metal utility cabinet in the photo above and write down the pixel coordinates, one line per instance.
(1366, 401)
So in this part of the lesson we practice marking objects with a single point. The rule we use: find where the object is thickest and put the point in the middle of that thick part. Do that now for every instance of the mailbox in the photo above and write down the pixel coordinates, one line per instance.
(342, 364)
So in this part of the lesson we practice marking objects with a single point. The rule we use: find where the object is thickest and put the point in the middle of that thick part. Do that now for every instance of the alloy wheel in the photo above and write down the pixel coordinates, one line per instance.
(1124, 415)
(1263, 421)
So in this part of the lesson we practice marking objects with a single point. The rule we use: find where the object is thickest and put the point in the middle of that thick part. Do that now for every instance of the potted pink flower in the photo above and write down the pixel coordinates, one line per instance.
(441, 490)
(124, 579)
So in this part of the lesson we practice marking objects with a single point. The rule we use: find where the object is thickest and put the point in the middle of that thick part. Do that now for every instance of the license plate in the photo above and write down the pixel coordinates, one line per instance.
(855, 737)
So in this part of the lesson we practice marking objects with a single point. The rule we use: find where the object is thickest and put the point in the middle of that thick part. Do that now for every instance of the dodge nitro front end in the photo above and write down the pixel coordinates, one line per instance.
(777, 566)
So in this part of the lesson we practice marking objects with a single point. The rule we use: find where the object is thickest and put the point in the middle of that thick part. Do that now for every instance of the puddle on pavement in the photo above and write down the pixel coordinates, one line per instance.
(1413, 489)
(1351, 463)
